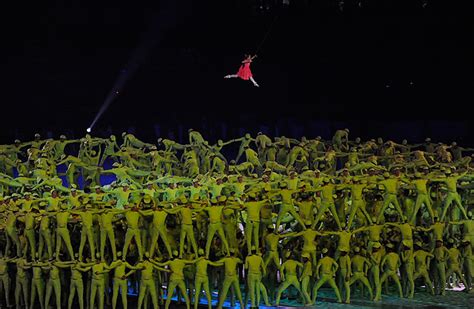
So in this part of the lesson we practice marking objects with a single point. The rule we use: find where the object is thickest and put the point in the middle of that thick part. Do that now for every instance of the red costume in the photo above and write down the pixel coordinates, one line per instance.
(244, 70)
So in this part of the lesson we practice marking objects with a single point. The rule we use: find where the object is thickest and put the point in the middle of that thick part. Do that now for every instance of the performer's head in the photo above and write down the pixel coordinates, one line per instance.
(465, 242)
(253, 250)
(452, 243)
(396, 172)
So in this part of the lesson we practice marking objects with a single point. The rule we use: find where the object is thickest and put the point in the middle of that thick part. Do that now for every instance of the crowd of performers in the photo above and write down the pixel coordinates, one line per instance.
(284, 218)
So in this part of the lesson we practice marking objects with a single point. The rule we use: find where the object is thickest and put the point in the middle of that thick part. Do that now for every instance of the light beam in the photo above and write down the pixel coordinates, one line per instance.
(166, 19)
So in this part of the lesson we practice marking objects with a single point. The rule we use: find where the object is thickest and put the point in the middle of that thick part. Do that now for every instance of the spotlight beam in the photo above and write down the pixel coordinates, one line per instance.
(166, 18)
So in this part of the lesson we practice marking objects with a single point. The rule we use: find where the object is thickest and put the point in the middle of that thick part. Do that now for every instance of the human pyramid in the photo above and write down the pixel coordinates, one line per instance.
(285, 212)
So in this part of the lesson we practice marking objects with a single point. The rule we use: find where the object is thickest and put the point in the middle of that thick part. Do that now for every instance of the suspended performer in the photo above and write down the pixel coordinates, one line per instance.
(244, 71)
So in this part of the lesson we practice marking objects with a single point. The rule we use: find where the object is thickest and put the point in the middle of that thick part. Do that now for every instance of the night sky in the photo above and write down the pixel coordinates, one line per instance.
(390, 68)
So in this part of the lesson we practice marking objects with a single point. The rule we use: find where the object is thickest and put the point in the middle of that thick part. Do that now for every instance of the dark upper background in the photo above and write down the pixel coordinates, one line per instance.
(390, 68)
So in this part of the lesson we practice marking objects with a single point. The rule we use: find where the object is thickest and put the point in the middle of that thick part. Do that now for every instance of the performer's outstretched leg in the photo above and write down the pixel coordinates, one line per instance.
(231, 76)
(254, 82)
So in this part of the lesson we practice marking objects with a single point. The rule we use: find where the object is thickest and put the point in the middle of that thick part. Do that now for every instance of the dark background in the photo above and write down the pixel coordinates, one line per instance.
(388, 68)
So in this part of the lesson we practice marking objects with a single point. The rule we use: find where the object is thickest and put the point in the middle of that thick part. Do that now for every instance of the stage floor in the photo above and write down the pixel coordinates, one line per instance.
(327, 299)
(452, 299)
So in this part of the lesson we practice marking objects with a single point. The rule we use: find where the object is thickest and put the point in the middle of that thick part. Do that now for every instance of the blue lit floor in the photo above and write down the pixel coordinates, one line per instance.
(327, 299)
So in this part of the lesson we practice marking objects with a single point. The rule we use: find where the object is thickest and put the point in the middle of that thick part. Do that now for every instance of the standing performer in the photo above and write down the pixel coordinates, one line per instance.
(244, 71)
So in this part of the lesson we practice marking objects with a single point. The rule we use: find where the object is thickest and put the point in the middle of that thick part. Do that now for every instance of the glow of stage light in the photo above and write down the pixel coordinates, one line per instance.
(134, 62)
(88, 130)
(167, 18)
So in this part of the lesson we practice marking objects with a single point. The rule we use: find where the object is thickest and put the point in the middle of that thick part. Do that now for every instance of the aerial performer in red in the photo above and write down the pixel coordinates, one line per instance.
(244, 71)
